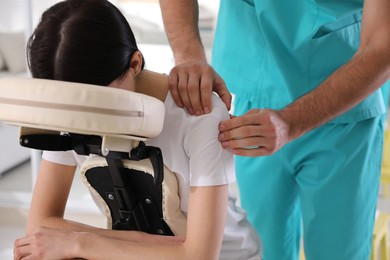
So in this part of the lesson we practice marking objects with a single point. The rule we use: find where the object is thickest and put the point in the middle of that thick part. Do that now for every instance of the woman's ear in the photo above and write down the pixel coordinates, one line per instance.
(136, 63)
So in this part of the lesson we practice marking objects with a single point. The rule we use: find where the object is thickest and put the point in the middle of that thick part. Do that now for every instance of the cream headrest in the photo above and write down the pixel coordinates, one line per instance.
(79, 108)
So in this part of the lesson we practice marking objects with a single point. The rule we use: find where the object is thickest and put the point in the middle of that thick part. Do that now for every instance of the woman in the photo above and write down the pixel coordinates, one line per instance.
(91, 42)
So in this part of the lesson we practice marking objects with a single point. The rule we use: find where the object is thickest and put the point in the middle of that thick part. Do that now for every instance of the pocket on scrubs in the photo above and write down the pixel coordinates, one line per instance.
(331, 46)
(338, 24)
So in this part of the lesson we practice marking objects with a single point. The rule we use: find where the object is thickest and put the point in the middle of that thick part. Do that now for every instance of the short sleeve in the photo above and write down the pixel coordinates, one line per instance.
(209, 163)
(66, 158)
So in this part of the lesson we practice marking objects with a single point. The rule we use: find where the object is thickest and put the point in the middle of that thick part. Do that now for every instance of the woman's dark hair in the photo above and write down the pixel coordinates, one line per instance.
(86, 41)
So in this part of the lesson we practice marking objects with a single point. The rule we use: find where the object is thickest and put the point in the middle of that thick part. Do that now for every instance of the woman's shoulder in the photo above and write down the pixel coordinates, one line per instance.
(219, 108)
(218, 112)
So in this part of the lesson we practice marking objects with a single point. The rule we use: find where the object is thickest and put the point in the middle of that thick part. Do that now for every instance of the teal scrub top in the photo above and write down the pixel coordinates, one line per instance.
(273, 51)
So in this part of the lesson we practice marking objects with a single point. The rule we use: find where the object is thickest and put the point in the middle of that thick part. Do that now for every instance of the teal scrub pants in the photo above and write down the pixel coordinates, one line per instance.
(325, 181)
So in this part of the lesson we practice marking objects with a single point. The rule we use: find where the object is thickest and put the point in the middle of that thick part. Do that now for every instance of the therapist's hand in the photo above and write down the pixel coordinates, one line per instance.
(191, 85)
(256, 133)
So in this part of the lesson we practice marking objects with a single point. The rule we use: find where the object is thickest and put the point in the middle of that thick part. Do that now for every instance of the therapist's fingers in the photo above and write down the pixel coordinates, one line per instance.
(220, 88)
(199, 86)
(249, 146)
(178, 84)
(250, 118)
(173, 80)
(191, 85)
(259, 132)
(248, 143)
(194, 94)
(182, 86)
(211, 81)
(241, 133)
(206, 84)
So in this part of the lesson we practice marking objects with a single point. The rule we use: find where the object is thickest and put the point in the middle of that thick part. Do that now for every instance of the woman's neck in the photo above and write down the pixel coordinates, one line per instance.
(152, 84)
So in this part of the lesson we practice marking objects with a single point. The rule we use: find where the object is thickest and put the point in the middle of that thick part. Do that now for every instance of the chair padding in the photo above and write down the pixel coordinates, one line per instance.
(172, 213)
(79, 108)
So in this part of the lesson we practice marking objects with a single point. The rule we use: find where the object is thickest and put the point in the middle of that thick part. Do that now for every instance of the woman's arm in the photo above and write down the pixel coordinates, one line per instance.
(50, 194)
(49, 199)
(205, 225)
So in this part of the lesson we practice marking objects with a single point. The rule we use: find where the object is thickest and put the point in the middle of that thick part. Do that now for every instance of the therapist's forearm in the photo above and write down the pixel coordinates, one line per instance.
(345, 88)
(181, 24)
(351, 83)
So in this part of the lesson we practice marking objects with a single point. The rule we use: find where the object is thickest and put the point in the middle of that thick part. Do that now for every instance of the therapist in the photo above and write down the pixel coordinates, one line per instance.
(307, 79)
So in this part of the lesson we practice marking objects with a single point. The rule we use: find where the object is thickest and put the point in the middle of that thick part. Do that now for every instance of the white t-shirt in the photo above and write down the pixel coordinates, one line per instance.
(191, 150)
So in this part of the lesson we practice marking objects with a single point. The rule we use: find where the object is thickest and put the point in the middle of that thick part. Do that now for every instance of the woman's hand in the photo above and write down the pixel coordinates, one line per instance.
(191, 85)
(46, 243)
(256, 133)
